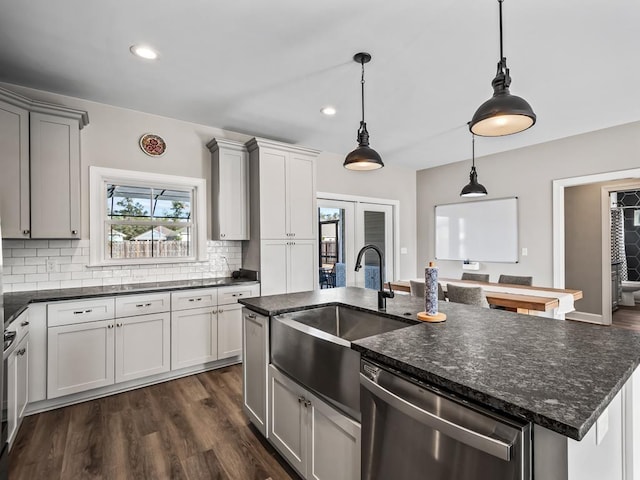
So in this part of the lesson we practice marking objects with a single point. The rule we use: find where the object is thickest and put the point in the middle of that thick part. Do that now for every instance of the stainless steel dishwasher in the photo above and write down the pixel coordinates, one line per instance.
(413, 431)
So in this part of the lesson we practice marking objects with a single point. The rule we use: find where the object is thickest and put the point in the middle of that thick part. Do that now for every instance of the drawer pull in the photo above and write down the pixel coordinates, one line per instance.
(24, 324)
(140, 305)
(251, 316)
(195, 299)
(237, 294)
(22, 351)
(82, 312)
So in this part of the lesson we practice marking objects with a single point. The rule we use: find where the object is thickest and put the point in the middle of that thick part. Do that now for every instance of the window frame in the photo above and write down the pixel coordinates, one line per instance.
(100, 177)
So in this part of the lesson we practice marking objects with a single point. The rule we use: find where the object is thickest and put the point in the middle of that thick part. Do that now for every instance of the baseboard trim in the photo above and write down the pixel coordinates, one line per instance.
(585, 317)
(46, 405)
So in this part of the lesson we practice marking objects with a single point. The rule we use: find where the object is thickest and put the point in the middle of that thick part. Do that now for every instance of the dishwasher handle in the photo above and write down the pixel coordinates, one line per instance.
(464, 435)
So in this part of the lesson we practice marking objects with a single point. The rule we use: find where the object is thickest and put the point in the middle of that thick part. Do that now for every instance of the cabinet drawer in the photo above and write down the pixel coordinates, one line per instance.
(227, 295)
(67, 313)
(131, 305)
(206, 297)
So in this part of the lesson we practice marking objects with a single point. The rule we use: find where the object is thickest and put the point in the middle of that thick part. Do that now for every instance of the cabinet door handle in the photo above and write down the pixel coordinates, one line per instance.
(22, 351)
(26, 232)
(251, 316)
(110, 325)
(74, 232)
(220, 311)
(24, 324)
(119, 324)
(307, 403)
(300, 399)
(82, 312)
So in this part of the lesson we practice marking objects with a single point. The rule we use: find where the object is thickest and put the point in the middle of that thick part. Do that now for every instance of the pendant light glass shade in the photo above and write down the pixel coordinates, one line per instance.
(364, 157)
(473, 188)
(503, 114)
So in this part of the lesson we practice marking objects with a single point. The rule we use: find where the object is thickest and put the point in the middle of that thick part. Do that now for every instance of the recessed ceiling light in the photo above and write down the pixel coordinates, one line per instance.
(143, 51)
(329, 111)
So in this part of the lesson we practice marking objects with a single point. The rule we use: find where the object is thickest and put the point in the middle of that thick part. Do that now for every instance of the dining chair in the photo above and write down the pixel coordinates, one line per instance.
(467, 295)
(516, 280)
(476, 277)
(417, 289)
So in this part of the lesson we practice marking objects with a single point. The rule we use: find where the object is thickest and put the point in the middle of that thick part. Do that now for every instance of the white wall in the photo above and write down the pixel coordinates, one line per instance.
(528, 174)
(391, 183)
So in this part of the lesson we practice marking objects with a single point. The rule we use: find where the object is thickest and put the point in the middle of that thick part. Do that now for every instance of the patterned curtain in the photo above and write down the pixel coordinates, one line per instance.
(617, 241)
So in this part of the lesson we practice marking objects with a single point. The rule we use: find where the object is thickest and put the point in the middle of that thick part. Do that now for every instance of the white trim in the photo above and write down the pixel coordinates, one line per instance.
(584, 317)
(395, 204)
(99, 176)
(558, 229)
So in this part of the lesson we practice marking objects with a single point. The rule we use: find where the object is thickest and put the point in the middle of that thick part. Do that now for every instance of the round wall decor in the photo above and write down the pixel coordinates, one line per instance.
(153, 145)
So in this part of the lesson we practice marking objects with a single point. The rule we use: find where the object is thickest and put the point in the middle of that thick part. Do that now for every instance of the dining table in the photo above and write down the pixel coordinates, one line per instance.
(531, 300)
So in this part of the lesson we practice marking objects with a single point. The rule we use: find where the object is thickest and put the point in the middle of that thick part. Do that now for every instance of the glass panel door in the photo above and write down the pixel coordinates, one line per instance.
(336, 243)
(374, 226)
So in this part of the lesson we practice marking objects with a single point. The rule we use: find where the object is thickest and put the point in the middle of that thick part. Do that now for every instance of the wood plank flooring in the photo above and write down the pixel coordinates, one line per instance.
(627, 317)
(191, 428)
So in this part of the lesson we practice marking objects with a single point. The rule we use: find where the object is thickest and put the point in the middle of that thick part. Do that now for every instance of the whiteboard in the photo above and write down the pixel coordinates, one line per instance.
(484, 231)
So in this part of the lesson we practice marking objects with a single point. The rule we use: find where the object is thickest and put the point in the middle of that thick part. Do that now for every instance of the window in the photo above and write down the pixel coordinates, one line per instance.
(139, 217)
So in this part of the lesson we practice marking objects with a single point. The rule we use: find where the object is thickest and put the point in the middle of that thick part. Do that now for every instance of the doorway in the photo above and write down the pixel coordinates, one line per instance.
(345, 224)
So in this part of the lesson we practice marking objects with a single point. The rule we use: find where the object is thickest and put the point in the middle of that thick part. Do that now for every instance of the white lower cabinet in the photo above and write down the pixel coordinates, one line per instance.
(316, 439)
(80, 357)
(194, 337)
(229, 330)
(255, 360)
(17, 391)
(143, 346)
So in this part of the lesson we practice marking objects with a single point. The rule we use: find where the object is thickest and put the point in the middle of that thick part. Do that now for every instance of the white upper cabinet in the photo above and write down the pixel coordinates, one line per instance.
(230, 190)
(287, 188)
(14, 181)
(40, 162)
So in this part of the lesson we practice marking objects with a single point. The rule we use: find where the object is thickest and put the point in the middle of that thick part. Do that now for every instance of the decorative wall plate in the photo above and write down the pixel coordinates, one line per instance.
(152, 145)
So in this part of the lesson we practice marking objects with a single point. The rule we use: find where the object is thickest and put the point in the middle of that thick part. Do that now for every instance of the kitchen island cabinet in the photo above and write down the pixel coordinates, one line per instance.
(574, 382)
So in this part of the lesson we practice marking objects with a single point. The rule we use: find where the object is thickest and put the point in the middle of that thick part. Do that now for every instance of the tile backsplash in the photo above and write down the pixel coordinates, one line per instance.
(48, 264)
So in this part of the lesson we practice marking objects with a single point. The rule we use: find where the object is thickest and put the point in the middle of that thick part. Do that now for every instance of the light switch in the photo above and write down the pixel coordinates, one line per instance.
(525, 251)
(403, 250)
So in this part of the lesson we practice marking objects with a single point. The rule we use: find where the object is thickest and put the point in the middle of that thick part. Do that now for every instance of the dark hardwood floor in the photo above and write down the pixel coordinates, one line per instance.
(627, 317)
(190, 428)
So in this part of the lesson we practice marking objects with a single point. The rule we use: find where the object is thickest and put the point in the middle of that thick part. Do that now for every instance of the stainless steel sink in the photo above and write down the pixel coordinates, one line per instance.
(314, 347)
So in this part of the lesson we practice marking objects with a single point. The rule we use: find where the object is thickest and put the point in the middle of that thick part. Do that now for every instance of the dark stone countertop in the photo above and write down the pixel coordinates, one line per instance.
(15, 303)
(558, 374)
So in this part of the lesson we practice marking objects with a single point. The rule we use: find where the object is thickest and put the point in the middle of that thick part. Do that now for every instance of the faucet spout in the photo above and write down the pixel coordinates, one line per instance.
(382, 294)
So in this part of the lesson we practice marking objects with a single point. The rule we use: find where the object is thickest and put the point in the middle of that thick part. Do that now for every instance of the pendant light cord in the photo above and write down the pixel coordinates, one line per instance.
(362, 89)
(501, 50)
(473, 150)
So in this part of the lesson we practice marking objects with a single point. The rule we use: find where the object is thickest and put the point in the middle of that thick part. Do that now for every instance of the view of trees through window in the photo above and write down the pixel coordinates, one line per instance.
(148, 222)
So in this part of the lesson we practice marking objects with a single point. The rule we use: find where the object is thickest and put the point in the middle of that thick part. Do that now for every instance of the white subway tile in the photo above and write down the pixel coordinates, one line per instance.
(8, 262)
(24, 287)
(60, 276)
(70, 283)
(81, 275)
(165, 277)
(23, 252)
(7, 252)
(48, 285)
(80, 259)
(111, 281)
(59, 243)
(29, 269)
(36, 243)
(81, 243)
(37, 277)
(8, 287)
(48, 252)
(63, 260)
(92, 282)
(35, 261)
(71, 267)
(12, 279)
(13, 244)
(70, 251)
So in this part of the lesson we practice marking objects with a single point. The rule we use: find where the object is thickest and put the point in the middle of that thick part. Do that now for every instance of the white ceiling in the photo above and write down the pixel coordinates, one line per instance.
(267, 67)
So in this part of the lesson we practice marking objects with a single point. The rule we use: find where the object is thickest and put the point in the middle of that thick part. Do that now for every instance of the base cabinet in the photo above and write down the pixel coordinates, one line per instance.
(80, 357)
(229, 330)
(255, 360)
(194, 337)
(317, 440)
(143, 346)
(17, 391)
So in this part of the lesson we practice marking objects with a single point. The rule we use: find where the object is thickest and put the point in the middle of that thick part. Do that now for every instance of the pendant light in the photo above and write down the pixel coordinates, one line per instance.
(503, 114)
(473, 188)
(363, 157)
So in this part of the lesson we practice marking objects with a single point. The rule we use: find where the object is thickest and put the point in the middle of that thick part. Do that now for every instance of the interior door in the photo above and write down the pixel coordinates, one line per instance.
(345, 248)
(374, 225)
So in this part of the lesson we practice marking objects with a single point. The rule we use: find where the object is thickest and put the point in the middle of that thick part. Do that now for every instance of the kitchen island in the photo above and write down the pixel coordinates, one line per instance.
(559, 375)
